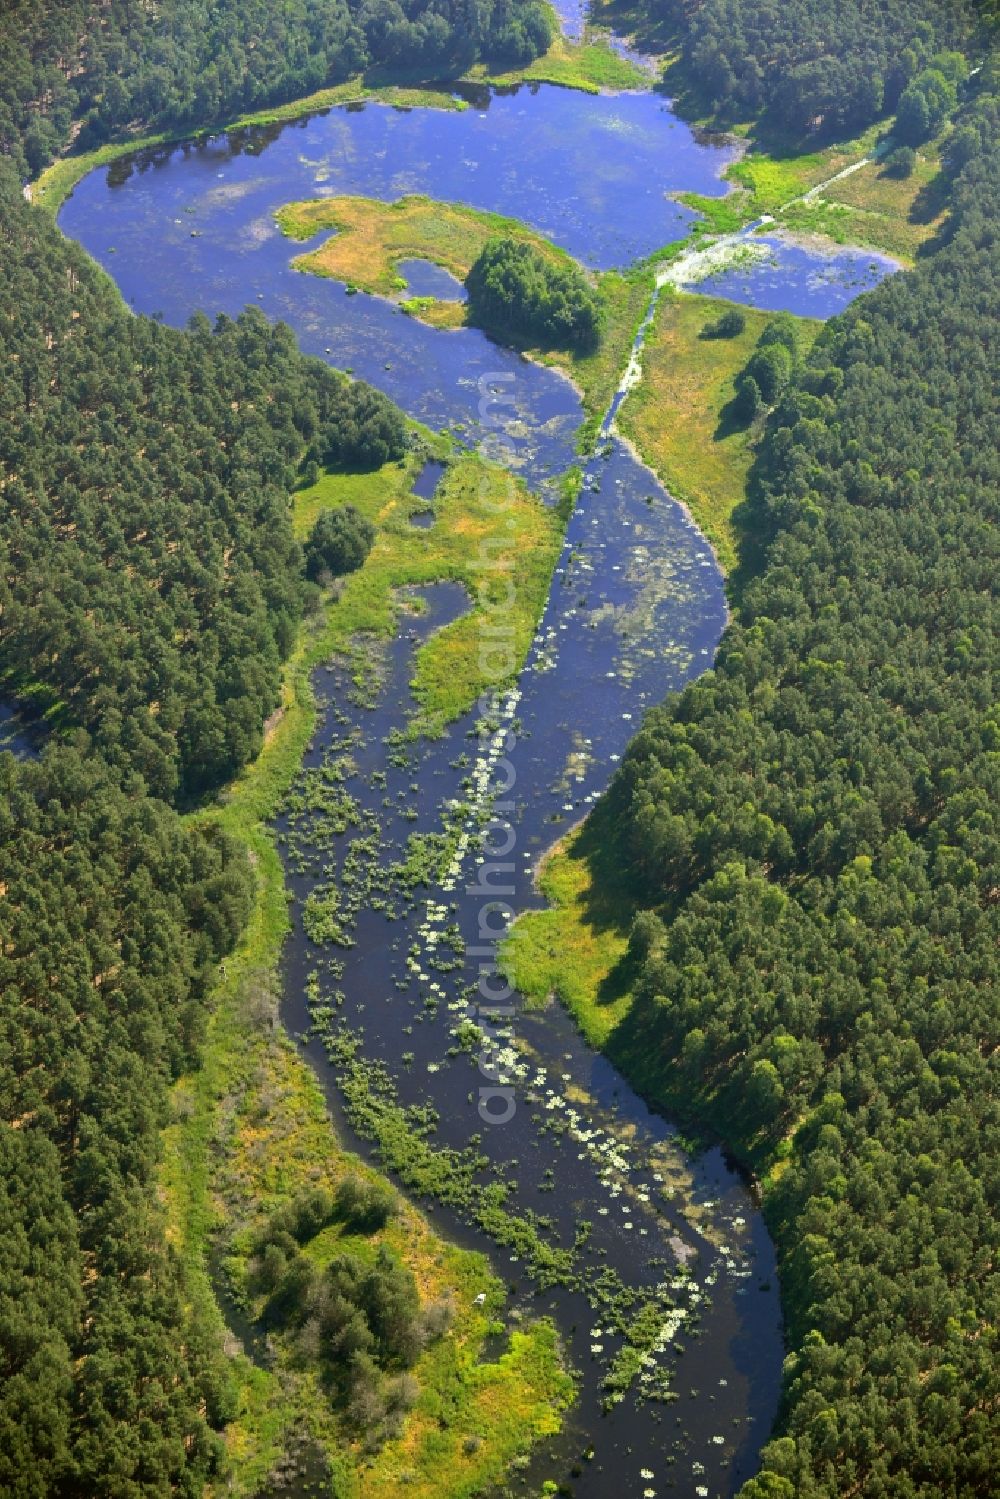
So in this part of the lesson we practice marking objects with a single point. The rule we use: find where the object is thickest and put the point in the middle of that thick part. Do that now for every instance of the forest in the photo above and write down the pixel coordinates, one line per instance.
(114, 916)
(805, 67)
(514, 288)
(150, 588)
(152, 601)
(811, 834)
(87, 71)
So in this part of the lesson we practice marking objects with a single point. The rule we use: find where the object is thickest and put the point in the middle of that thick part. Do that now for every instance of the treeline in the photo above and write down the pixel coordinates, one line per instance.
(149, 580)
(803, 65)
(813, 833)
(112, 918)
(514, 289)
(77, 68)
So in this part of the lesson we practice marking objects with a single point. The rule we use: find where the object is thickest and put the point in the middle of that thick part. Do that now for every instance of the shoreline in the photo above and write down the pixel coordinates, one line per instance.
(50, 188)
(682, 505)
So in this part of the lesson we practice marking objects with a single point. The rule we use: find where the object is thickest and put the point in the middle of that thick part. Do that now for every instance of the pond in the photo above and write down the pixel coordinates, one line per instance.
(781, 275)
(428, 479)
(425, 279)
(636, 609)
(22, 739)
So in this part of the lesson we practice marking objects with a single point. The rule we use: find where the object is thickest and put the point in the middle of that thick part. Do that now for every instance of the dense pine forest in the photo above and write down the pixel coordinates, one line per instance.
(150, 588)
(114, 916)
(808, 66)
(812, 829)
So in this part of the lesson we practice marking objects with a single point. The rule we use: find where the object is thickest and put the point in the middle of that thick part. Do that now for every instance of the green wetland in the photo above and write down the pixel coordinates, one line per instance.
(653, 1264)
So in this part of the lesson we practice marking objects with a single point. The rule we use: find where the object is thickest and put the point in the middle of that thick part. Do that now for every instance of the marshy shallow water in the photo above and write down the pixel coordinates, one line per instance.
(636, 609)
(21, 737)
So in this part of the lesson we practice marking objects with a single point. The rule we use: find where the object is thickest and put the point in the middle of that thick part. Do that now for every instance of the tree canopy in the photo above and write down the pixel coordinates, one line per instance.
(339, 542)
(514, 288)
(806, 66)
(113, 916)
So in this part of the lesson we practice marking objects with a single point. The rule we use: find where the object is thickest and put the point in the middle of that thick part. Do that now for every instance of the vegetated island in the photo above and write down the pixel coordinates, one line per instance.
(372, 237)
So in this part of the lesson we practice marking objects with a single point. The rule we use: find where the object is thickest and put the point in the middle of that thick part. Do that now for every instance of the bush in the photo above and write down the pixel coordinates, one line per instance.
(729, 325)
(287, 1303)
(771, 369)
(299, 1221)
(389, 1299)
(749, 402)
(515, 289)
(359, 1322)
(437, 1318)
(900, 163)
(340, 541)
(266, 1271)
(367, 1405)
(306, 1215)
(366, 1206)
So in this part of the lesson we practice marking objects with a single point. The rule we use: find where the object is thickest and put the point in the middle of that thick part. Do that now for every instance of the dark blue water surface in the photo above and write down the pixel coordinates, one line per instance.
(791, 277)
(423, 488)
(592, 172)
(425, 279)
(21, 738)
(428, 479)
(572, 17)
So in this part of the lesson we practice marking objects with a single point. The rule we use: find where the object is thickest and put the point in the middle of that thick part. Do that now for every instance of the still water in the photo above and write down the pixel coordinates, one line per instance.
(779, 274)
